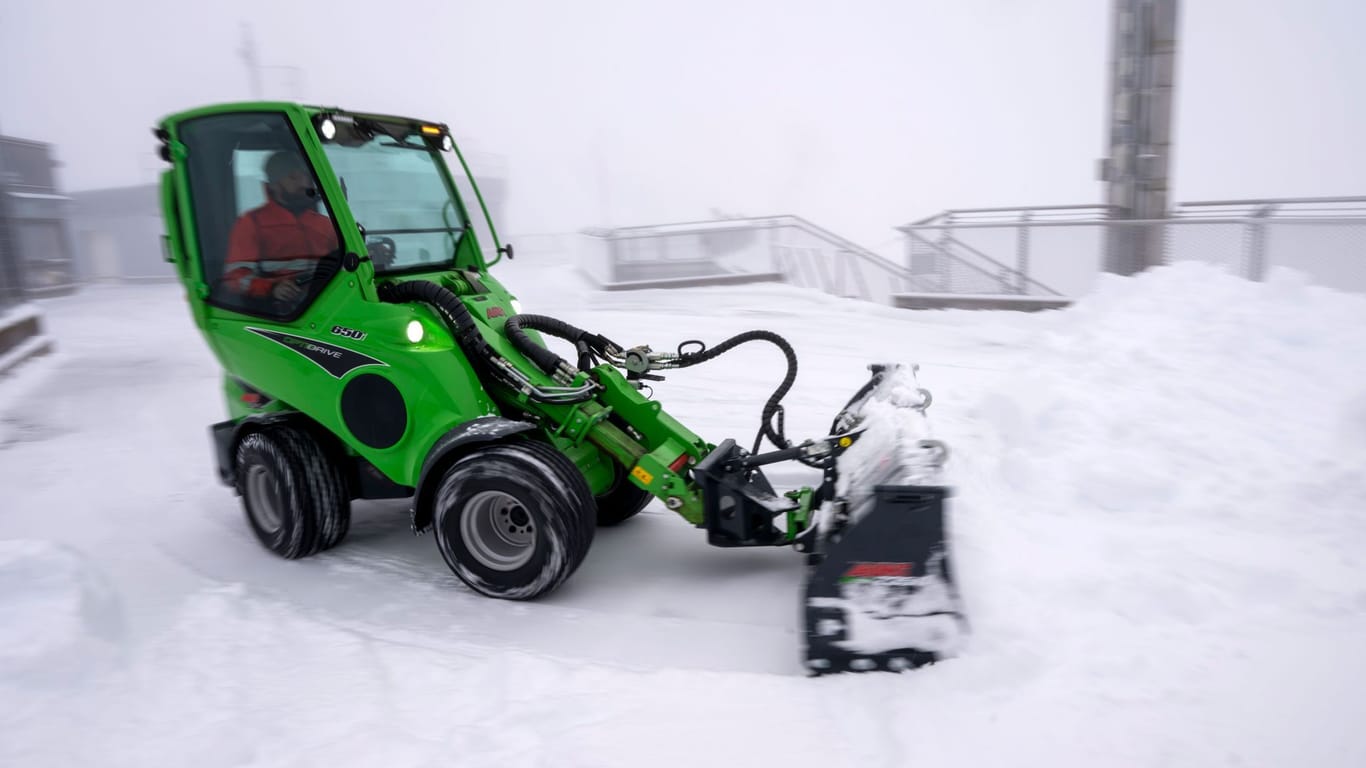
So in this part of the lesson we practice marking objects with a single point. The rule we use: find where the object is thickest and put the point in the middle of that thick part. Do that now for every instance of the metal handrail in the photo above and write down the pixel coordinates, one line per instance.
(755, 222)
(1139, 222)
(826, 238)
(964, 262)
(848, 246)
(1002, 265)
(1030, 211)
(1272, 201)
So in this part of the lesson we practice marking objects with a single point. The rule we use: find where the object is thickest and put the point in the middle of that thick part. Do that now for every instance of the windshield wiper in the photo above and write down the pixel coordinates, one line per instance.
(404, 146)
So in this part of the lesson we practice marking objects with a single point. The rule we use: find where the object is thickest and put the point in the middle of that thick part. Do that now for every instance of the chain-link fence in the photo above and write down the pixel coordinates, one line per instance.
(1323, 238)
(1061, 250)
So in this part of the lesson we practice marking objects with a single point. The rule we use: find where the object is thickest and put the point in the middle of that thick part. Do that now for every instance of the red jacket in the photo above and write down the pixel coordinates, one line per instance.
(270, 243)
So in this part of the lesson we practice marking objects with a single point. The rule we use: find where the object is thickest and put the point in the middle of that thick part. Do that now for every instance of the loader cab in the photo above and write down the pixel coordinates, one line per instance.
(275, 201)
(259, 217)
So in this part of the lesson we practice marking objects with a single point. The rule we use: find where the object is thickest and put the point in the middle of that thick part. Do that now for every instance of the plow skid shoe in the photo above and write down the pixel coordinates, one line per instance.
(880, 594)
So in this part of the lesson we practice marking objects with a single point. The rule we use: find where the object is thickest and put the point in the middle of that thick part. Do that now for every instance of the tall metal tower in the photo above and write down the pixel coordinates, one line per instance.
(1142, 80)
(249, 58)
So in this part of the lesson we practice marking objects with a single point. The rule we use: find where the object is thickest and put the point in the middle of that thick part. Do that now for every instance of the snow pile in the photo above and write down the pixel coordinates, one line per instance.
(1162, 506)
(1191, 392)
(1156, 526)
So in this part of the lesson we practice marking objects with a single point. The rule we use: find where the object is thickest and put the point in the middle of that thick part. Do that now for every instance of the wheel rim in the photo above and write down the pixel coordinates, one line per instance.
(498, 530)
(263, 494)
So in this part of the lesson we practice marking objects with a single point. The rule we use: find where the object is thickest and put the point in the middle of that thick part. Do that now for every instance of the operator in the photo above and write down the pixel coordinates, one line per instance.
(275, 247)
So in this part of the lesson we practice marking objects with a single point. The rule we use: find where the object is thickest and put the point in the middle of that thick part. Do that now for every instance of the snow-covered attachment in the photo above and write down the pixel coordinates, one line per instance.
(880, 591)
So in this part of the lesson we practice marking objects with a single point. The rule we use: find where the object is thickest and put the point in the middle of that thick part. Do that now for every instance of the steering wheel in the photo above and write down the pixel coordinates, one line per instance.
(382, 251)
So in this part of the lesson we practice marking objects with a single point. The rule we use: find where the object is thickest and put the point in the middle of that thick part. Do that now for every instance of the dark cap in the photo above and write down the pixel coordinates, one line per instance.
(282, 163)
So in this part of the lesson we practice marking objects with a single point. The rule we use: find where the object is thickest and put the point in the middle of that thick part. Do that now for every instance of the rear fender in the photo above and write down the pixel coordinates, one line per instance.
(450, 447)
(227, 434)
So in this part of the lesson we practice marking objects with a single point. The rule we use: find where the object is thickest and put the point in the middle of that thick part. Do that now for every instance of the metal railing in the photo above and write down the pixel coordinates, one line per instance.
(953, 248)
(1040, 254)
(787, 248)
(1323, 237)
(1061, 249)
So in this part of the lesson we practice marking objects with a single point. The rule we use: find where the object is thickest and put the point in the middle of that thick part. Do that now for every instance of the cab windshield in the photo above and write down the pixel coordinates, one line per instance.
(394, 185)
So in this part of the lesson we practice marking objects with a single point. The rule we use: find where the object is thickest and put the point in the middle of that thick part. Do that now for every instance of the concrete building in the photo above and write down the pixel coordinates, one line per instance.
(38, 246)
(35, 250)
(118, 235)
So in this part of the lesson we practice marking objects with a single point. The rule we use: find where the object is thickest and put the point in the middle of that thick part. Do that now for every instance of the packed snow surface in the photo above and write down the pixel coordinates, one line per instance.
(1158, 525)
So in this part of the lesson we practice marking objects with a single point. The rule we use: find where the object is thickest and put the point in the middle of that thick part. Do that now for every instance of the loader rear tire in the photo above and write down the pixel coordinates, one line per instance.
(622, 501)
(328, 487)
(294, 495)
(513, 520)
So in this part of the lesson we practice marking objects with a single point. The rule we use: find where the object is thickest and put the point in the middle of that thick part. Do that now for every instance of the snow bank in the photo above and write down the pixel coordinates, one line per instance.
(1189, 392)
(1156, 523)
(1164, 503)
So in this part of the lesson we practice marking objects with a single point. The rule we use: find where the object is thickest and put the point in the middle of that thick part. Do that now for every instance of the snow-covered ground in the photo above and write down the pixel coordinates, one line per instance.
(1159, 526)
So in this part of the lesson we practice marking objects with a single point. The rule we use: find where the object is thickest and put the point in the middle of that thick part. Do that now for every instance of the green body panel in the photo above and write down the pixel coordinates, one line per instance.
(439, 386)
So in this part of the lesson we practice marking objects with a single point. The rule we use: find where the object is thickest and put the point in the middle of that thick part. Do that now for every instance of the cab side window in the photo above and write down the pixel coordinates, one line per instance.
(266, 238)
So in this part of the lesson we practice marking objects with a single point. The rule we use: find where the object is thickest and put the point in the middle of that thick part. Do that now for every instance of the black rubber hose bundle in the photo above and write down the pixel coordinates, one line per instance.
(548, 361)
(448, 304)
(773, 407)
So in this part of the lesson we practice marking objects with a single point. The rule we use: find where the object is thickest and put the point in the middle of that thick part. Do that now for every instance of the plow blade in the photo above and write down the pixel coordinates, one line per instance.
(881, 595)
(880, 592)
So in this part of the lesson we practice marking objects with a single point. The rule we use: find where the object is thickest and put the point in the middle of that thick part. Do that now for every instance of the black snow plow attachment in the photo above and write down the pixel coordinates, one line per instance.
(880, 593)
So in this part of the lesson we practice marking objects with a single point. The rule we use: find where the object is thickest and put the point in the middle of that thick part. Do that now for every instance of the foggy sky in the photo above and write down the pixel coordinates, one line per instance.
(857, 115)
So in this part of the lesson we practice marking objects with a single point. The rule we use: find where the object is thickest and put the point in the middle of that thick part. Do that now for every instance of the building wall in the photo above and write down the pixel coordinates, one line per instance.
(118, 235)
(37, 244)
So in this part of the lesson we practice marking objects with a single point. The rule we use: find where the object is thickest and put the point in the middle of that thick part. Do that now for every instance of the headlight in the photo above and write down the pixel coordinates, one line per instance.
(415, 331)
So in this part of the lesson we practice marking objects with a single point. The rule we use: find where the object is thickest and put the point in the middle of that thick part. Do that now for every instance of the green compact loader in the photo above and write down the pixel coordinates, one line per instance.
(369, 352)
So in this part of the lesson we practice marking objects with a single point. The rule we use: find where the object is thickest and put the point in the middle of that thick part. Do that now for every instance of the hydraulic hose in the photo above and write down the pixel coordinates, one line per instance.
(479, 352)
(448, 304)
(773, 407)
(472, 342)
(545, 359)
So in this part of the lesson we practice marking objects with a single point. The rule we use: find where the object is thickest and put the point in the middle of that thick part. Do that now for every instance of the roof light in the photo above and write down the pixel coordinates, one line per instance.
(446, 144)
(327, 128)
(431, 130)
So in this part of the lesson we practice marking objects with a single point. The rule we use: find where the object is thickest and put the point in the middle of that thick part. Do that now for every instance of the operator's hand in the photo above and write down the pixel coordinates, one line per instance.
(286, 290)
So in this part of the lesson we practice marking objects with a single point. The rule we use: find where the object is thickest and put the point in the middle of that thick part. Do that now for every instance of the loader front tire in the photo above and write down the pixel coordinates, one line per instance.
(294, 495)
(513, 520)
